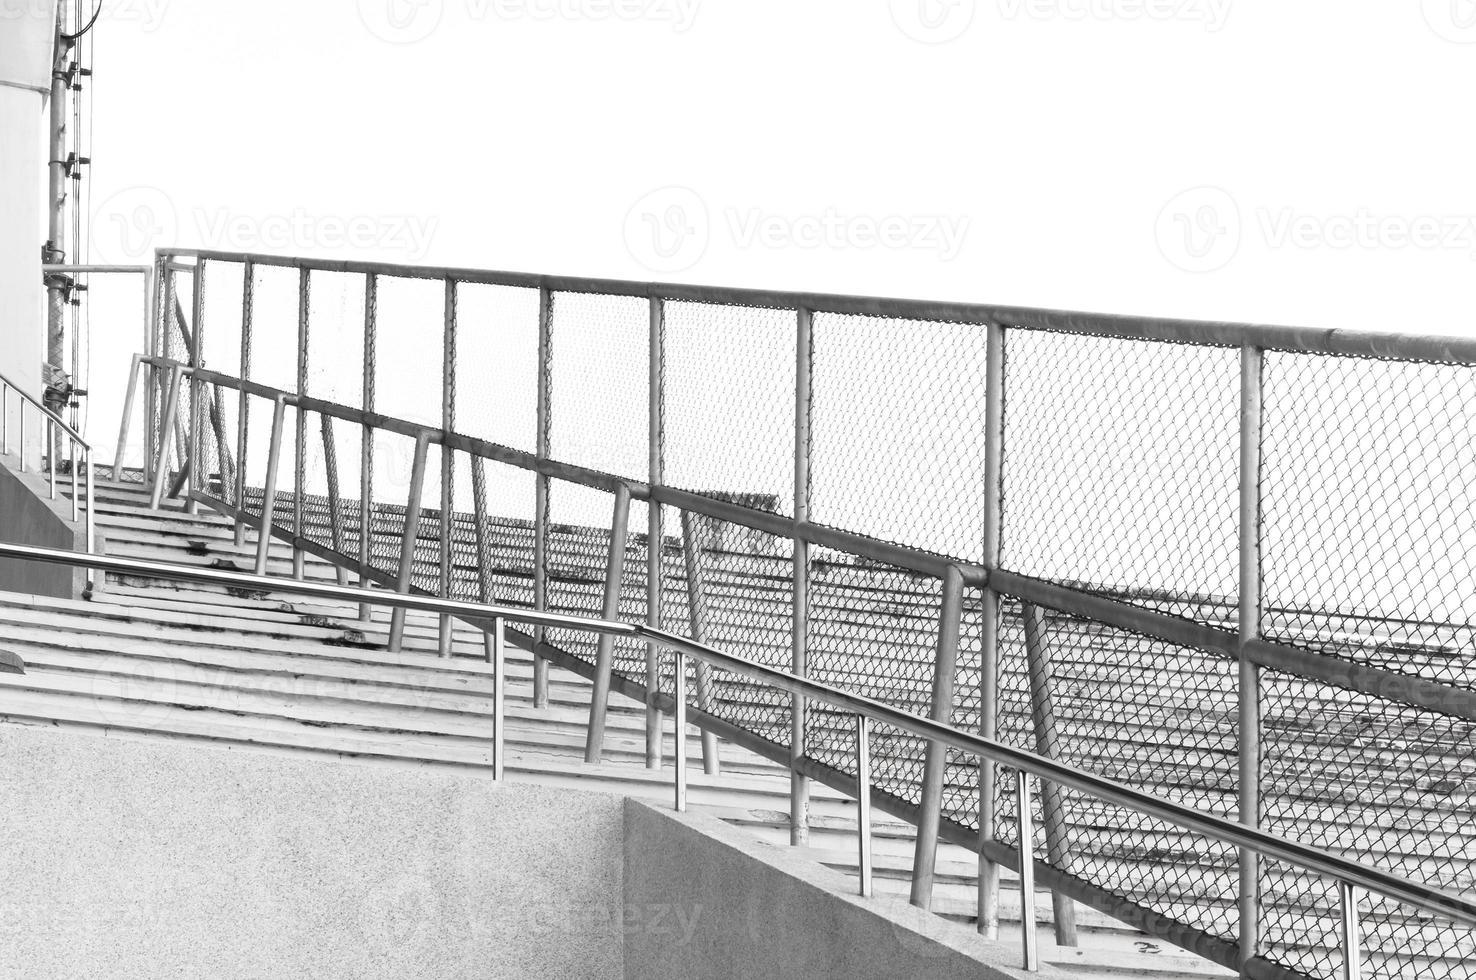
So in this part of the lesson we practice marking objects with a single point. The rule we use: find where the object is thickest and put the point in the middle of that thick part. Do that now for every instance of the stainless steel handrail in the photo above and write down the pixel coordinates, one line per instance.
(1350, 875)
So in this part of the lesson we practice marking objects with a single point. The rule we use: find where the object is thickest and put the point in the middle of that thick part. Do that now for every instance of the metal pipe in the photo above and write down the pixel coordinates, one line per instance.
(679, 753)
(5, 419)
(605, 651)
(656, 474)
(541, 490)
(243, 408)
(51, 462)
(72, 458)
(154, 287)
(366, 446)
(299, 448)
(1025, 821)
(497, 637)
(23, 436)
(935, 763)
(799, 786)
(161, 469)
(135, 380)
(446, 527)
(1047, 743)
(335, 507)
(269, 489)
(1249, 623)
(91, 529)
(1352, 942)
(448, 423)
(863, 802)
(697, 618)
(987, 898)
(198, 477)
(408, 540)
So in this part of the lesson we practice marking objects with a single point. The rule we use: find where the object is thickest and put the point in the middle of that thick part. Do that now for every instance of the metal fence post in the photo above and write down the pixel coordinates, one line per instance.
(799, 786)
(1250, 629)
(196, 434)
(692, 548)
(935, 764)
(243, 409)
(1025, 820)
(656, 475)
(484, 543)
(605, 649)
(269, 489)
(988, 879)
(1351, 940)
(448, 425)
(155, 389)
(1047, 743)
(679, 719)
(135, 381)
(496, 656)
(541, 491)
(171, 409)
(366, 447)
(863, 802)
(335, 506)
(408, 540)
(299, 468)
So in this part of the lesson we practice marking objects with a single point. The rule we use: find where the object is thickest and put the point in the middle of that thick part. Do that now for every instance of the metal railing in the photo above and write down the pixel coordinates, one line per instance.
(1023, 604)
(1351, 876)
(51, 430)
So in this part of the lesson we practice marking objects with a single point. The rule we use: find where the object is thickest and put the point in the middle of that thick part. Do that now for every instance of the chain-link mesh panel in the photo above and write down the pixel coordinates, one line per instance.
(732, 587)
(1369, 535)
(1378, 782)
(1152, 715)
(499, 568)
(1121, 469)
(729, 379)
(898, 430)
(410, 331)
(599, 390)
(497, 364)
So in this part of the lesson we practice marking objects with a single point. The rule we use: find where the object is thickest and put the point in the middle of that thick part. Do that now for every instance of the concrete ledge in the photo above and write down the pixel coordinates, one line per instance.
(29, 516)
(740, 908)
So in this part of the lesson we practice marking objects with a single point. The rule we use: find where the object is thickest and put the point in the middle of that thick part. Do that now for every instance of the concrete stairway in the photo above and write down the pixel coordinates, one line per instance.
(246, 671)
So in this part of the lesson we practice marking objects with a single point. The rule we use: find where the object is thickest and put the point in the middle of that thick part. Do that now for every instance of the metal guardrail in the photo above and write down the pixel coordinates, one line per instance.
(1351, 876)
(52, 426)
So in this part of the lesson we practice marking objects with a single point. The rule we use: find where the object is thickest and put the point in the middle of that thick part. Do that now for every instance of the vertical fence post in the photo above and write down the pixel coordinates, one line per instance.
(484, 547)
(448, 458)
(799, 786)
(605, 649)
(497, 656)
(1250, 629)
(243, 408)
(935, 764)
(408, 539)
(299, 469)
(1351, 940)
(269, 488)
(988, 880)
(155, 387)
(196, 435)
(863, 802)
(679, 718)
(171, 409)
(697, 618)
(540, 491)
(135, 381)
(366, 447)
(1025, 820)
(335, 504)
(1047, 743)
(656, 475)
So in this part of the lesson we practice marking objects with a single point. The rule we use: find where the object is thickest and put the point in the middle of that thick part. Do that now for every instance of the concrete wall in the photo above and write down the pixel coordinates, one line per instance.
(738, 908)
(131, 858)
(29, 516)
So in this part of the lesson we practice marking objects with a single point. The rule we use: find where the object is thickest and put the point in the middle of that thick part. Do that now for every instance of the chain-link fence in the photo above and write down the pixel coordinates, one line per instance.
(1230, 572)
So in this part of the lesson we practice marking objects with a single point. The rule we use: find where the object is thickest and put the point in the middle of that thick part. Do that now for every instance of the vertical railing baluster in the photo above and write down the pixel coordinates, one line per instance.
(1352, 941)
(171, 410)
(698, 620)
(448, 458)
(5, 419)
(497, 655)
(197, 475)
(1250, 629)
(656, 474)
(935, 763)
(154, 383)
(299, 449)
(408, 539)
(605, 649)
(335, 505)
(51, 458)
(483, 538)
(799, 786)
(366, 448)
(243, 408)
(72, 459)
(1047, 743)
(541, 491)
(988, 881)
(93, 576)
(863, 802)
(269, 488)
(22, 402)
(1026, 823)
(679, 717)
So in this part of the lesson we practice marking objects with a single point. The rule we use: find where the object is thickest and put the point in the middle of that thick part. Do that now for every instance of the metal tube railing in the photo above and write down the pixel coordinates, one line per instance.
(1351, 876)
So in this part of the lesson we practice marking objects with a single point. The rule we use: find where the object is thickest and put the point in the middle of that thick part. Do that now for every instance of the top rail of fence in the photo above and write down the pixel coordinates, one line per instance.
(1356, 343)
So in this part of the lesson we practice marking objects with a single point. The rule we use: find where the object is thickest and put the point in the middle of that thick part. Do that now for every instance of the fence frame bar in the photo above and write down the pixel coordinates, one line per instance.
(804, 359)
(599, 702)
(1047, 744)
(408, 540)
(655, 542)
(935, 763)
(1249, 625)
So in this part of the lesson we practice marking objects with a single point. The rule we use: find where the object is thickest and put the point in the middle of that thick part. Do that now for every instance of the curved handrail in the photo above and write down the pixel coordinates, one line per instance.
(55, 419)
(1441, 902)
